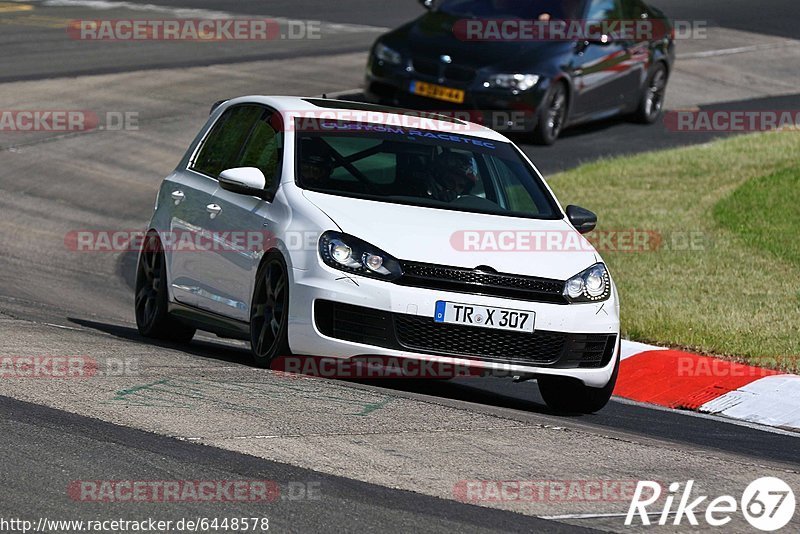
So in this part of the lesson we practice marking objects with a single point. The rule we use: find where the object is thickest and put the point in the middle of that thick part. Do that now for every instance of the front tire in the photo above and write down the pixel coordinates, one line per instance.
(269, 312)
(552, 115)
(651, 104)
(569, 395)
(151, 300)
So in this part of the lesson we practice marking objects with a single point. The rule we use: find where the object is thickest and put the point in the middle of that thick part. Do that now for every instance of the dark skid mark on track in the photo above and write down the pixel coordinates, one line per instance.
(117, 452)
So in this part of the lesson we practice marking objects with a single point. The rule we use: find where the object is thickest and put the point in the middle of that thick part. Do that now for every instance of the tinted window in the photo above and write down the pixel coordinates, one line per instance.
(419, 167)
(224, 142)
(512, 192)
(263, 149)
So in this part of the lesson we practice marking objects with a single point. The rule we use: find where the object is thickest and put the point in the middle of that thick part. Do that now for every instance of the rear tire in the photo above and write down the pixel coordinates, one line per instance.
(151, 300)
(569, 395)
(552, 115)
(651, 104)
(269, 312)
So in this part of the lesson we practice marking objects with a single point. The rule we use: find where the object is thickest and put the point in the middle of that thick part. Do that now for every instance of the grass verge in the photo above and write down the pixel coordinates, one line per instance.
(724, 279)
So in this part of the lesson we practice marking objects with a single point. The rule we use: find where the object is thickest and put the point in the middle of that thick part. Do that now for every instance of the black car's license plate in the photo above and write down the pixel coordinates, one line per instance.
(439, 92)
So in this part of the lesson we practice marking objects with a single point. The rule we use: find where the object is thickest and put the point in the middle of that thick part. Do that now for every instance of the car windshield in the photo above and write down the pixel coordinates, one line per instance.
(403, 165)
(526, 9)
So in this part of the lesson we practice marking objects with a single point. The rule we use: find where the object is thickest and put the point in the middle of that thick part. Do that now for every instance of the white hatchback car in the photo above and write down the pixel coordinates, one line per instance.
(338, 229)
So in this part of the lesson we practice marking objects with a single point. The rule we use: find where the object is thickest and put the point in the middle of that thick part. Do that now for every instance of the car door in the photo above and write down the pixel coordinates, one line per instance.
(246, 225)
(191, 280)
(601, 68)
(639, 46)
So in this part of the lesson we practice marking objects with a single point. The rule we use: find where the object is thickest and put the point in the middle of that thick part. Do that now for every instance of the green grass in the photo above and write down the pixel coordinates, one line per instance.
(734, 293)
(764, 212)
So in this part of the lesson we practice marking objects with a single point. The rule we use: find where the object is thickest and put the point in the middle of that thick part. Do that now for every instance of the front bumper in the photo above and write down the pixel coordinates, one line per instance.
(574, 340)
(499, 109)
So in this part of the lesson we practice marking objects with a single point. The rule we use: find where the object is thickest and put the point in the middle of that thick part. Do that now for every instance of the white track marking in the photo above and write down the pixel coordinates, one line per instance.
(772, 400)
(738, 50)
(632, 348)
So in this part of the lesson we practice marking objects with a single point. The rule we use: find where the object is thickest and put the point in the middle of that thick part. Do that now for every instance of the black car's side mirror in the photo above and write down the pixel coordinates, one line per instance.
(582, 219)
(427, 4)
(599, 40)
(602, 40)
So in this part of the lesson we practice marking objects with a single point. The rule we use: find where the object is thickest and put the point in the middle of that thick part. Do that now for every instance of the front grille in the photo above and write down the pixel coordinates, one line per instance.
(481, 282)
(422, 334)
(455, 73)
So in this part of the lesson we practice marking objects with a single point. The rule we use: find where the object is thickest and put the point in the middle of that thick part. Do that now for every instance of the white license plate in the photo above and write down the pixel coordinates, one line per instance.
(484, 317)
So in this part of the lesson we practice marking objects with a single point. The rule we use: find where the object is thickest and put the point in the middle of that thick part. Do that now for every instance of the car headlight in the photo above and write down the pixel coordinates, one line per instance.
(388, 55)
(592, 285)
(352, 255)
(520, 82)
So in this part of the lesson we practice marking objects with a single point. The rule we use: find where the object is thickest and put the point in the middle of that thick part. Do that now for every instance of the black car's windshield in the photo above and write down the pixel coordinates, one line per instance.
(403, 165)
(525, 9)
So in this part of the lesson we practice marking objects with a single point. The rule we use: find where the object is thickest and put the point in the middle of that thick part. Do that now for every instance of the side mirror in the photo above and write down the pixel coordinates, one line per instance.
(427, 4)
(582, 219)
(602, 40)
(245, 181)
(599, 40)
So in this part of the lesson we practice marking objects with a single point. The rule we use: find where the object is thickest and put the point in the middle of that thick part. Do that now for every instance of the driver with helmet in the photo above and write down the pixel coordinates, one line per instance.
(454, 176)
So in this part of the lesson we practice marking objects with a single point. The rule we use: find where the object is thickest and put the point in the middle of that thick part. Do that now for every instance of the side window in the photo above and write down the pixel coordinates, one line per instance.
(224, 142)
(264, 148)
(603, 10)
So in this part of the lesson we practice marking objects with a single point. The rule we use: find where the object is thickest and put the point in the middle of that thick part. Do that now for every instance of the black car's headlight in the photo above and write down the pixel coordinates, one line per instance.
(388, 55)
(352, 255)
(519, 82)
(592, 285)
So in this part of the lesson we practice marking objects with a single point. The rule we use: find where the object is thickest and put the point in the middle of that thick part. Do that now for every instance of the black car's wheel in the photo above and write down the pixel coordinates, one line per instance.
(652, 101)
(569, 395)
(152, 317)
(269, 313)
(552, 115)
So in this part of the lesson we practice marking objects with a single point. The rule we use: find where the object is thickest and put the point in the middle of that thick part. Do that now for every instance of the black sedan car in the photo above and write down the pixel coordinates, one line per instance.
(536, 66)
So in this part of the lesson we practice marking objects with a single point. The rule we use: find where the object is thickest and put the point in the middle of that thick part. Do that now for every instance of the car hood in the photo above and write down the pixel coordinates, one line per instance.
(461, 239)
(433, 35)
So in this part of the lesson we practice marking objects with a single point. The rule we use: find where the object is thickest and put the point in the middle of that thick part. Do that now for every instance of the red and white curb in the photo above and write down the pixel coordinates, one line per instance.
(683, 380)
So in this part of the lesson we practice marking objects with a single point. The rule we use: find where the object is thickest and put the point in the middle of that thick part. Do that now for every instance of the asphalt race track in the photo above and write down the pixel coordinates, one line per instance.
(382, 455)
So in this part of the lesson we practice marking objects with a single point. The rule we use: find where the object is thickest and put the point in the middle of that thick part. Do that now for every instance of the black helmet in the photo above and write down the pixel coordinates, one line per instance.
(456, 173)
(316, 162)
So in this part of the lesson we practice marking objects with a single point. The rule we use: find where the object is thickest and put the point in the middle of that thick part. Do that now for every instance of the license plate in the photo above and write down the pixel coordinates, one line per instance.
(484, 317)
(439, 92)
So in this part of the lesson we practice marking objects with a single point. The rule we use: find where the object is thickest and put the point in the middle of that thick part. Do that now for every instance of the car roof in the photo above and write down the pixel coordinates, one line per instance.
(292, 106)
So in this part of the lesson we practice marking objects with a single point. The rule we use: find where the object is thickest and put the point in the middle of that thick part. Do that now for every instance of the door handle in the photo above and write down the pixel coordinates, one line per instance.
(178, 196)
(213, 210)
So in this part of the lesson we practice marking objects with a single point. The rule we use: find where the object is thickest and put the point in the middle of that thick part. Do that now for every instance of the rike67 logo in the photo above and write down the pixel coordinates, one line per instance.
(767, 503)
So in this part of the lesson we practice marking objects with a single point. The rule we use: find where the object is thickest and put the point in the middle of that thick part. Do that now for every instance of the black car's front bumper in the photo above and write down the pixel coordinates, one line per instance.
(500, 109)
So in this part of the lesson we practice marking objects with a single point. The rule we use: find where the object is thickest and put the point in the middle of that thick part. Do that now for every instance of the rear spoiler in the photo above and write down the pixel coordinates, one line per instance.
(215, 105)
